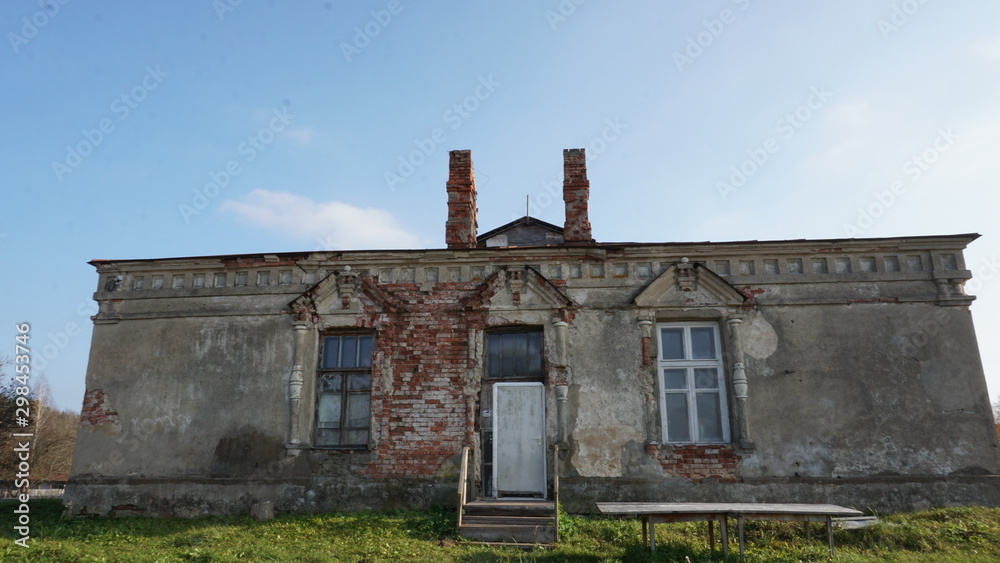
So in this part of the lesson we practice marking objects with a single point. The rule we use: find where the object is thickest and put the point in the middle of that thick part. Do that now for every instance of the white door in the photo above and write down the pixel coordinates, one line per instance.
(519, 439)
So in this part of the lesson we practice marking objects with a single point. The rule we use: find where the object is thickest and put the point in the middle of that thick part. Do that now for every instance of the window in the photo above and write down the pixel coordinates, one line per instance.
(514, 355)
(343, 403)
(692, 384)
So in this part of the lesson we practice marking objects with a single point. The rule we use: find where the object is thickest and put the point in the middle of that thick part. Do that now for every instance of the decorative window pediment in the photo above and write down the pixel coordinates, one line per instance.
(689, 285)
(519, 287)
(339, 293)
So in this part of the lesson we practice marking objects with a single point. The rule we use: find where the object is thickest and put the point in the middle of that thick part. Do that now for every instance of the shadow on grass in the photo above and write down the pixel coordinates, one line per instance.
(47, 521)
(635, 553)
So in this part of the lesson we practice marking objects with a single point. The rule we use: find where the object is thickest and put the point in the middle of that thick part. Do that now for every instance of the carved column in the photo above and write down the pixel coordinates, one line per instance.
(562, 340)
(739, 381)
(294, 402)
(295, 382)
(561, 444)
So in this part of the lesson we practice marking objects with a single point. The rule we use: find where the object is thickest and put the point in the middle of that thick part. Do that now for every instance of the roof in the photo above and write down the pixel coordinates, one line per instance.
(294, 256)
(522, 222)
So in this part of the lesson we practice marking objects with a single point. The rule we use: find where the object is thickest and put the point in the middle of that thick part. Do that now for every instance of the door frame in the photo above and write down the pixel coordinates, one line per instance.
(496, 418)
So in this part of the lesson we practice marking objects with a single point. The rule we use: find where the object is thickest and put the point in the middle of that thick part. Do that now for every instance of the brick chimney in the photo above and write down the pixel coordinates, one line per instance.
(460, 229)
(576, 194)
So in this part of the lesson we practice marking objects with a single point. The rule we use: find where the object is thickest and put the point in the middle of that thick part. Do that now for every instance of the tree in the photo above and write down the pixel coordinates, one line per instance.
(53, 431)
(996, 415)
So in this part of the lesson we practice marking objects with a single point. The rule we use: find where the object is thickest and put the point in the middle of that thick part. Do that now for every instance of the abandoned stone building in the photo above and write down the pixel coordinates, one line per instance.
(844, 371)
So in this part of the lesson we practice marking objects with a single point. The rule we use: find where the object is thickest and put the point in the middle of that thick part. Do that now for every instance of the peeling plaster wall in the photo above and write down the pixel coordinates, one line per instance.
(608, 392)
(864, 389)
(190, 394)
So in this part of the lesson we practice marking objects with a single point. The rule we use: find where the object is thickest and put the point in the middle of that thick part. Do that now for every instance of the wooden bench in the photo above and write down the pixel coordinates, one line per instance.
(653, 513)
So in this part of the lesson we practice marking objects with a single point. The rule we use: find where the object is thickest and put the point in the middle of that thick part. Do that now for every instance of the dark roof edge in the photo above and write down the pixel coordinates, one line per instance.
(526, 220)
(302, 255)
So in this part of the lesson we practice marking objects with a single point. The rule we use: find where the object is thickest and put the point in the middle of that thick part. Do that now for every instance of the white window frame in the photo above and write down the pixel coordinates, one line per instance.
(691, 392)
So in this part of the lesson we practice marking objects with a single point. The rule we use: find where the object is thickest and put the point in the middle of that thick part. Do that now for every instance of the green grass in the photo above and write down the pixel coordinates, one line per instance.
(954, 534)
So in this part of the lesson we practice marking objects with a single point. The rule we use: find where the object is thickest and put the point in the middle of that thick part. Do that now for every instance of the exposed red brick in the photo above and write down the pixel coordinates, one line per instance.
(576, 194)
(423, 420)
(462, 224)
(698, 462)
(97, 409)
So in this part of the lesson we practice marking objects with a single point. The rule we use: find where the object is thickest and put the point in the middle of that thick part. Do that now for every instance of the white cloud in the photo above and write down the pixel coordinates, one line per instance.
(328, 225)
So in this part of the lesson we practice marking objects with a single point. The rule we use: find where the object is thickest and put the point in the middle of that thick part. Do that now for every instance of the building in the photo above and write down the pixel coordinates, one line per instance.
(843, 371)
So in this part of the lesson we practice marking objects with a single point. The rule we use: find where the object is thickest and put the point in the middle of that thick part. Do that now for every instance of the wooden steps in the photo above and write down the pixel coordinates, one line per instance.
(521, 523)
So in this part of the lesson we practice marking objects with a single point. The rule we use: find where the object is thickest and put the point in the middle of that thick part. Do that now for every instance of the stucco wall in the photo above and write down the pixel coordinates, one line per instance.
(863, 388)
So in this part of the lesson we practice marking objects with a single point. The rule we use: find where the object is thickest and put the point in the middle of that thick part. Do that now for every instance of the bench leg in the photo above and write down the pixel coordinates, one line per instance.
(645, 525)
(711, 535)
(829, 533)
(724, 524)
(739, 522)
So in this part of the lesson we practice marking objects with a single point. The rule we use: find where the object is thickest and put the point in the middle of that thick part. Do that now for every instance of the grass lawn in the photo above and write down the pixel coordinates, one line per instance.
(954, 534)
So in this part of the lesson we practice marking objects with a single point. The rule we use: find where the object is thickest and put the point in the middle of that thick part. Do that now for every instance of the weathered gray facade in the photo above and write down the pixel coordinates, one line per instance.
(842, 371)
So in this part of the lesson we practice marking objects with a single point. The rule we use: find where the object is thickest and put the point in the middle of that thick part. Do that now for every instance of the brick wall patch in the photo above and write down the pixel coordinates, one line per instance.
(97, 409)
(698, 462)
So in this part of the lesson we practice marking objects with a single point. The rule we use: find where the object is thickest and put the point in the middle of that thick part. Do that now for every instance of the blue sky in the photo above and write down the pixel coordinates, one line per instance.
(161, 129)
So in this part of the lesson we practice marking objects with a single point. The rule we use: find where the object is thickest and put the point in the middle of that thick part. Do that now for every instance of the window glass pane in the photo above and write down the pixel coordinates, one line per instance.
(673, 343)
(356, 438)
(330, 349)
(706, 378)
(521, 354)
(535, 354)
(493, 361)
(709, 417)
(329, 411)
(703, 342)
(365, 351)
(358, 407)
(327, 437)
(360, 382)
(348, 351)
(507, 350)
(677, 417)
(675, 379)
(331, 382)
